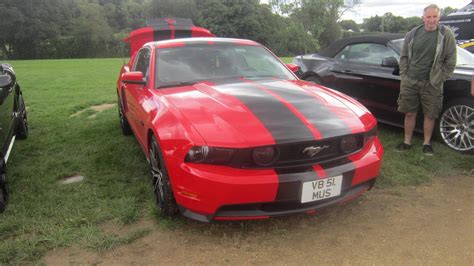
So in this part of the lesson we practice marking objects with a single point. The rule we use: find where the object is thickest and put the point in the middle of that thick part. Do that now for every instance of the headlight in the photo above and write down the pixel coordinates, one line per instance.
(264, 156)
(209, 155)
(348, 143)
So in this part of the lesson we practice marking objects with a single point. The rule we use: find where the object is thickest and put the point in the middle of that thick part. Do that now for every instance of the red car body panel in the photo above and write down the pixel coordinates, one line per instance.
(228, 115)
(167, 29)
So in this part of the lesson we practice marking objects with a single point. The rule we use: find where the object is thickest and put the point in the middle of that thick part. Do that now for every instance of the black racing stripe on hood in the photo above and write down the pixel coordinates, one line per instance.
(283, 125)
(316, 112)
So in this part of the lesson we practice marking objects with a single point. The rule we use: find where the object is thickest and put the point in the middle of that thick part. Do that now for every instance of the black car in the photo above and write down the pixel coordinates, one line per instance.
(366, 68)
(13, 123)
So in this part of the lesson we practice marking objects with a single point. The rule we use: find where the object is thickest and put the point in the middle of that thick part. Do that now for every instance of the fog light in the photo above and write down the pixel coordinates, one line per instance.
(264, 156)
(348, 143)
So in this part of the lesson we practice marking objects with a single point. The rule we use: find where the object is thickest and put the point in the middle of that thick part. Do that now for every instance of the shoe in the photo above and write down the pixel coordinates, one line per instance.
(402, 147)
(428, 150)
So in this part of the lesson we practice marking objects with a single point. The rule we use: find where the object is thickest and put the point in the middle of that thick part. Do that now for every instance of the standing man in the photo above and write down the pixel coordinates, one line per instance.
(428, 58)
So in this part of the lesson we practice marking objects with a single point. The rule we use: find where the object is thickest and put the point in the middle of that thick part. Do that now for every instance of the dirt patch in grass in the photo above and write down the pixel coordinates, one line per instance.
(426, 224)
(112, 228)
(95, 109)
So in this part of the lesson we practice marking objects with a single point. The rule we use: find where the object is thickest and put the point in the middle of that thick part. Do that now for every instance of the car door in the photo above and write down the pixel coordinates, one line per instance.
(6, 115)
(134, 95)
(363, 76)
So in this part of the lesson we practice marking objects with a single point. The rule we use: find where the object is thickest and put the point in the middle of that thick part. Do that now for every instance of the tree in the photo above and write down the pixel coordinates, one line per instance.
(349, 25)
(26, 25)
(173, 8)
(448, 10)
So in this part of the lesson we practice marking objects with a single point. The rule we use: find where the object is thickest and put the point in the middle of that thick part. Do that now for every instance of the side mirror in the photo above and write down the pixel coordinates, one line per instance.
(293, 67)
(135, 77)
(5, 81)
(390, 62)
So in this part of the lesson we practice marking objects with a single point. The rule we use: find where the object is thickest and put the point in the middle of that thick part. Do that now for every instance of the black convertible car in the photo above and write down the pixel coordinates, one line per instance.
(366, 68)
(13, 123)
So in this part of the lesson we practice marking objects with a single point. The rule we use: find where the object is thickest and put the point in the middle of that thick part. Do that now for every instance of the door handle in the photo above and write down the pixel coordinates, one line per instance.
(346, 71)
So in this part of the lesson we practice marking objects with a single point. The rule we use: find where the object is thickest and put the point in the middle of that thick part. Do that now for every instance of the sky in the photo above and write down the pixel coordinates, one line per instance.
(403, 8)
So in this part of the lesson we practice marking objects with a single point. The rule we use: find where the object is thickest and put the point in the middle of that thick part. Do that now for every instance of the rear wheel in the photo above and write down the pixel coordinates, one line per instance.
(161, 181)
(22, 126)
(3, 192)
(126, 130)
(456, 125)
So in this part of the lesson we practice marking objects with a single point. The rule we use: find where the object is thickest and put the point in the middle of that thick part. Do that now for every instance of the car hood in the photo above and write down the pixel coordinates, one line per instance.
(249, 113)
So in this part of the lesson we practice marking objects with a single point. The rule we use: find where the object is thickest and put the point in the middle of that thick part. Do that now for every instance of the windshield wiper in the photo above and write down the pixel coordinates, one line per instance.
(177, 84)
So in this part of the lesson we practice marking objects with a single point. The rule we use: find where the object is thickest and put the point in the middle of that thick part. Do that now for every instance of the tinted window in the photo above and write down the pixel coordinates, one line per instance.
(142, 63)
(198, 62)
(368, 53)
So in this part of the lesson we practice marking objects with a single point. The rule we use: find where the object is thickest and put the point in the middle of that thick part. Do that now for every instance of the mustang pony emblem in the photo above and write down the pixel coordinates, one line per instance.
(311, 151)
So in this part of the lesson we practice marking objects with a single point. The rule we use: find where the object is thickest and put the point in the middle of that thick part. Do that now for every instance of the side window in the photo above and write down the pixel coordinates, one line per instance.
(142, 63)
(366, 53)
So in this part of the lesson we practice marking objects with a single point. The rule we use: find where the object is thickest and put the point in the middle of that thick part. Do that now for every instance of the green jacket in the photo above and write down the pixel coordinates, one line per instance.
(445, 56)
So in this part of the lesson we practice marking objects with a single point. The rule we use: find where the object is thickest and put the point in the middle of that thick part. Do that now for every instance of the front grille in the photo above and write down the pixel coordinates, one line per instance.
(292, 155)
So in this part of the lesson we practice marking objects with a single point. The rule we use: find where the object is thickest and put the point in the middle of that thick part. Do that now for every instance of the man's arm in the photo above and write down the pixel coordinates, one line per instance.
(451, 54)
(404, 57)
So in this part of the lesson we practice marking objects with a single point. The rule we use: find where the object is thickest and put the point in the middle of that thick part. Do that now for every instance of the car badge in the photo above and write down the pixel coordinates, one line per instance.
(311, 151)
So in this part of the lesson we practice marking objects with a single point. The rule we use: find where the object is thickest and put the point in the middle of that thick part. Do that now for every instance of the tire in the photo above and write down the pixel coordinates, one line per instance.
(22, 126)
(3, 192)
(456, 125)
(162, 188)
(314, 79)
(126, 130)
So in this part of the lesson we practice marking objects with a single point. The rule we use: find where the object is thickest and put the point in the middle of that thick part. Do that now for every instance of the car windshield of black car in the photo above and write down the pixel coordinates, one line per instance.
(185, 65)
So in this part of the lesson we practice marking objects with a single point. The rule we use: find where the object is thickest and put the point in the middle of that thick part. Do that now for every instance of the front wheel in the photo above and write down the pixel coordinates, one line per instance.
(124, 125)
(161, 181)
(456, 125)
(22, 126)
(3, 192)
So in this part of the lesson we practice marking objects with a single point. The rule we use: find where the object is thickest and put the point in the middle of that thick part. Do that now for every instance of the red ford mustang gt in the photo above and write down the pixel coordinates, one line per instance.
(231, 133)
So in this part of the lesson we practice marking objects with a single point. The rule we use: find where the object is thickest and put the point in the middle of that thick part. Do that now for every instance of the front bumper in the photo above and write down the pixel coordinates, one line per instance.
(209, 192)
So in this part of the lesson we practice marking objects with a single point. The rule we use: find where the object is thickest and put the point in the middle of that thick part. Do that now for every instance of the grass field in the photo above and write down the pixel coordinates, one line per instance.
(44, 214)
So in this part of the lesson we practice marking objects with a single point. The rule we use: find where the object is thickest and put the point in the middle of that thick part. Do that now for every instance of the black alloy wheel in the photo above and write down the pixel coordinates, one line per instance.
(456, 125)
(161, 182)
(3, 192)
(126, 130)
(22, 126)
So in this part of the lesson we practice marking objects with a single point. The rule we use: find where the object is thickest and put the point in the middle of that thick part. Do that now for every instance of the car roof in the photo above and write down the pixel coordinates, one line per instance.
(200, 40)
(336, 46)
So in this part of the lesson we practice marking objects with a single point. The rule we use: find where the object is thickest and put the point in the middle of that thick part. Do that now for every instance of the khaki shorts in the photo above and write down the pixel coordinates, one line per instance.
(416, 92)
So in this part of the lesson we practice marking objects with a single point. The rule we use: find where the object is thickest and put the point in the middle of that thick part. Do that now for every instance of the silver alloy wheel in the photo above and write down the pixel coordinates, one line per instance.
(157, 174)
(456, 127)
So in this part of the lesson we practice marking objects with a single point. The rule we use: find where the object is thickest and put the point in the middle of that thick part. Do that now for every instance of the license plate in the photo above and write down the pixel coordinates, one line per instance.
(321, 189)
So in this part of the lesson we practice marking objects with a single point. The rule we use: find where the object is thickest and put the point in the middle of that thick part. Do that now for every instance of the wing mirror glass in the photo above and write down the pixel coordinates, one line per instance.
(135, 77)
(293, 67)
(390, 62)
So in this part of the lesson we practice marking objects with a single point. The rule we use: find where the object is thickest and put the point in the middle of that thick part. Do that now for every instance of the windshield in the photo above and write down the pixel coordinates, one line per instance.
(463, 57)
(188, 64)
